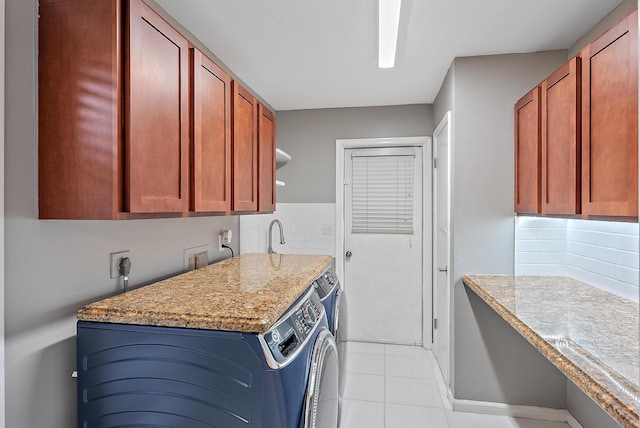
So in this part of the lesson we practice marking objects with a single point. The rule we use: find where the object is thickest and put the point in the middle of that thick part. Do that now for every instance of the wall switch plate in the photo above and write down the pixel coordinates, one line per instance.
(115, 263)
(190, 254)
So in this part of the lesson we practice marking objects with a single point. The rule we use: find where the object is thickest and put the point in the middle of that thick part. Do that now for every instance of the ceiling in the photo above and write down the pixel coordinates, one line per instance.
(320, 54)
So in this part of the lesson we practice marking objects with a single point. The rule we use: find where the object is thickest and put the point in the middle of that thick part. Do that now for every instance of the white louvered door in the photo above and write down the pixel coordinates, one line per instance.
(383, 233)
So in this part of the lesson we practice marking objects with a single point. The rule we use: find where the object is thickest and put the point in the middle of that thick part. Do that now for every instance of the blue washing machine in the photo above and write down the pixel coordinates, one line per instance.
(144, 376)
(334, 300)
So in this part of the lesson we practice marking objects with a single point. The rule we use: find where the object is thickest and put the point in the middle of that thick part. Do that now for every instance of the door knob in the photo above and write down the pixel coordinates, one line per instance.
(348, 254)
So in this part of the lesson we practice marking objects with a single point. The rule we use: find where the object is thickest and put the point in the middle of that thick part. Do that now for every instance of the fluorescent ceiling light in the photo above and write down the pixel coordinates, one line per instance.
(388, 22)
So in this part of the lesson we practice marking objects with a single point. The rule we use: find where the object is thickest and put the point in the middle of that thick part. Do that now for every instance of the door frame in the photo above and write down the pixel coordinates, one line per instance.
(444, 125)
(427, 214)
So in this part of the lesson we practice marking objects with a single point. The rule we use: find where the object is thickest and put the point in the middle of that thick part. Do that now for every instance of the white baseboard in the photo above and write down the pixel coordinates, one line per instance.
(511, 410)
(383, 341)
(573, 422)
(501, 409)
(517, 411)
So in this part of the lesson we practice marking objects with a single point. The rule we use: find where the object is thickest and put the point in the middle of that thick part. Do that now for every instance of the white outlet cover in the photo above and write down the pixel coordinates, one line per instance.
(114, 269)
(190, 252)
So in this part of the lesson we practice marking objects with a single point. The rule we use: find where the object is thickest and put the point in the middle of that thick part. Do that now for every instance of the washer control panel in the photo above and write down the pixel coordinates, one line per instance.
(291, 331)
(326, 283)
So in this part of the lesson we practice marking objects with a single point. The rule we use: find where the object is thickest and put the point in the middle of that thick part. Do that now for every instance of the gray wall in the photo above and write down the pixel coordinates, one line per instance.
(586, 411)
(491, 362)
(54, 267)
(2, 249)
(309, 136)
(444, 100)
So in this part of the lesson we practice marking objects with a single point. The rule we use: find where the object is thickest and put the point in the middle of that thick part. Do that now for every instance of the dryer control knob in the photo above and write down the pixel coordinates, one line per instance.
(309, 315)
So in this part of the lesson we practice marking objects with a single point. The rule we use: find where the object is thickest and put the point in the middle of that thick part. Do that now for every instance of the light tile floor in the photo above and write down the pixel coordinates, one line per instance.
(394, 386)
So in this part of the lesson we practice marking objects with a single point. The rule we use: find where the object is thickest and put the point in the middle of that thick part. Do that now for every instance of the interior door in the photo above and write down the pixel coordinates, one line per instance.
(441, 243)
(383, 265)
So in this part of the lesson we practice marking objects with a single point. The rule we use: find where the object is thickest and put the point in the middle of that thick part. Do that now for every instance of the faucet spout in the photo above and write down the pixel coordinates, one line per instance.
(275, 221)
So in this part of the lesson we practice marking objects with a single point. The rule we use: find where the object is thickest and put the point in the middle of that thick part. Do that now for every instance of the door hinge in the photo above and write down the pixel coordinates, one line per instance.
(435, 323)
(435, 163)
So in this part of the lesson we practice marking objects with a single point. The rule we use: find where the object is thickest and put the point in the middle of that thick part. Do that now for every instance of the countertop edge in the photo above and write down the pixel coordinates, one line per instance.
(117, 310)
(167, 320)
(603, 397)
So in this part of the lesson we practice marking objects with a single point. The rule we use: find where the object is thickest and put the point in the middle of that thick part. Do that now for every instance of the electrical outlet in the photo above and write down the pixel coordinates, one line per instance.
(224, 238)
(199, 260)
(115, 262)
(190, 254)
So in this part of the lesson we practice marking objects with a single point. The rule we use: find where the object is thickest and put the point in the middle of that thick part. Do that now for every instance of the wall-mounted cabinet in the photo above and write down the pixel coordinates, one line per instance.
(588, 133)
(267, 160)
(211, 156)
(81, 166)
(610, 122)
(134, 122)
(245, 150)
(560, 132)
(527, 153)
(156, 114)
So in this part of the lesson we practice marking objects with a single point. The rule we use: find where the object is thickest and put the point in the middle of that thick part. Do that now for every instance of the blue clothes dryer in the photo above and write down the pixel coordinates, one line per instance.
(144, 376)
(334, 300)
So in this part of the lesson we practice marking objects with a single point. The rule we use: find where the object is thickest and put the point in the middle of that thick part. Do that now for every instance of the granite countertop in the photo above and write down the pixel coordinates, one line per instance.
(246, 293)
(590, 335)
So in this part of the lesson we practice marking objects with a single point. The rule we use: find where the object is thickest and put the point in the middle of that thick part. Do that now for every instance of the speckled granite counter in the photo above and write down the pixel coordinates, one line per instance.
(247, 293)
(587, 333)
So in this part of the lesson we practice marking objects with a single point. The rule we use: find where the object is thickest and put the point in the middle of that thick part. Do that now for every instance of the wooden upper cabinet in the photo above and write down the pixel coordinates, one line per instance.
(245, 150)
(211, 156)
(610, 122)
(560, 184)
(527, 153)
(157, 114)
(267, 160)
(113, 112)
(134, 122)
(79, 120)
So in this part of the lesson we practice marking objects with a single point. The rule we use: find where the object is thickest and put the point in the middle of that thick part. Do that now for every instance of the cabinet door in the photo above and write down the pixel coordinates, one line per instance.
(267, 160)
(527, 153)
(610, 122)
(211, 163)
(560, 140)
(245, 150)
(157, 114)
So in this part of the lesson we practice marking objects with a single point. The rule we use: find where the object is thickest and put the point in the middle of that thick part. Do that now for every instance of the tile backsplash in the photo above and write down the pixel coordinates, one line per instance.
(309, 228)
(601, 253)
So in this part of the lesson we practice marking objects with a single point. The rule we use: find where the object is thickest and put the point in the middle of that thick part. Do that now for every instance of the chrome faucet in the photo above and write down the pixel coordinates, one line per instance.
(270, 250)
